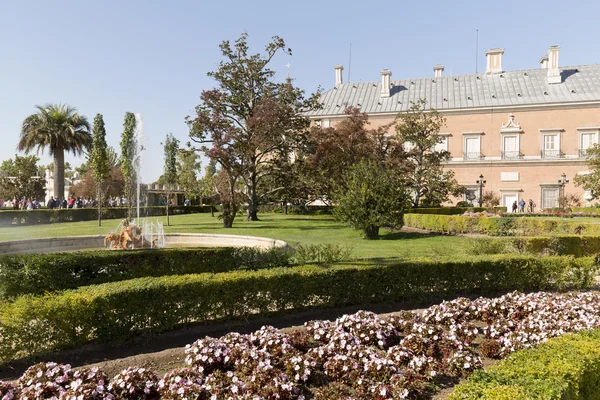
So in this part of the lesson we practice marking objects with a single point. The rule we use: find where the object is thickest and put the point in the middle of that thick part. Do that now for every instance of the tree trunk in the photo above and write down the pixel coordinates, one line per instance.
(372, 232)
(99, 204)
(168, 222)
(228, 214)
(212, 208)
(59, 174)
(253, 201)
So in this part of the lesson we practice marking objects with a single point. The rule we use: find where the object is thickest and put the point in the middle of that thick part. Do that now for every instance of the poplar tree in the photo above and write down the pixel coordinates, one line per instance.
(98, 160)
(171, 147)
(127, 159)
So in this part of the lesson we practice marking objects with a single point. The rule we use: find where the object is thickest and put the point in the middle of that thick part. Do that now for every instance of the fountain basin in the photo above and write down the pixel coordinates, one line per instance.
(96, 242)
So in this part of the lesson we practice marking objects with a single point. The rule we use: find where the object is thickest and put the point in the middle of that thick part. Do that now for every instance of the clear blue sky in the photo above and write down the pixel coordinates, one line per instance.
(152, 57)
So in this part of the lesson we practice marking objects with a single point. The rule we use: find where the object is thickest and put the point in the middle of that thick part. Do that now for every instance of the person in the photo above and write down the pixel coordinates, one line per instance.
(531, 206)
(51, 202)
(514, 207)
(522, 206)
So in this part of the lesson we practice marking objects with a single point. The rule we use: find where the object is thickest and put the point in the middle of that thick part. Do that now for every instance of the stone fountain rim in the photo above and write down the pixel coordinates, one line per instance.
(204, 239)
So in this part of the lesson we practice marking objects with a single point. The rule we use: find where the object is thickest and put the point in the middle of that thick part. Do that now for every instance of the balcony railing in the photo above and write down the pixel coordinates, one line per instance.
(472, 156)
(551, 154)
(511, 155)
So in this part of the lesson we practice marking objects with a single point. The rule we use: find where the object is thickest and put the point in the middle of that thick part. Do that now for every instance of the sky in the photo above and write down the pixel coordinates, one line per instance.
(152, 57)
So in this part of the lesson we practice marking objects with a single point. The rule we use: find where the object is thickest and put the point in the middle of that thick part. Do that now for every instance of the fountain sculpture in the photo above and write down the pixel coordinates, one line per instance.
(131, 236)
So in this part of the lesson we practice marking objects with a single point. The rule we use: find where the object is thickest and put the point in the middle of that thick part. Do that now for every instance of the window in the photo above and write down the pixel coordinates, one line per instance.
(550, 196)
(443, 145)
(473, 148)
(326, 123)
(550, 145)
(588, 139)
(510, 147)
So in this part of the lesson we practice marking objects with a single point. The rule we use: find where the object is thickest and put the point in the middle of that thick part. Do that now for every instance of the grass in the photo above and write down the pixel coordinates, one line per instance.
(291, 228)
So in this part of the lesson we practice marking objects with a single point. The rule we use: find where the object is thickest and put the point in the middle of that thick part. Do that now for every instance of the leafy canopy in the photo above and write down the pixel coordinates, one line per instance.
(373, 196)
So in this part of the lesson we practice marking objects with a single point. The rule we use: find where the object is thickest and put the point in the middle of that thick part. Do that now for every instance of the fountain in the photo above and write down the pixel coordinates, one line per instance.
(132, 236)
(129, 234)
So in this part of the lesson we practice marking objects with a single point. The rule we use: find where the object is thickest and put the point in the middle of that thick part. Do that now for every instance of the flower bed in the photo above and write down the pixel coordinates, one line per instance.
(359, 356)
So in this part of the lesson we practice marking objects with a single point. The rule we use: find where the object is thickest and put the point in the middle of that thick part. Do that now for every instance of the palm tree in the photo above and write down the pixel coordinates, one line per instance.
(60, 129)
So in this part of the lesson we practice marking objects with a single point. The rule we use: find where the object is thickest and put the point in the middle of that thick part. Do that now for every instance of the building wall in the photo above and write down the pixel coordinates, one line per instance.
(530, 173)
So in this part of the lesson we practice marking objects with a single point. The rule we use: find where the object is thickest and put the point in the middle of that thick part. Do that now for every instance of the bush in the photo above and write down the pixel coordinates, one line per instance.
(46, 216)
(324, 253)
(31, 325)
(499, 226)
(39, 273)
(578, 246)
(567, 367)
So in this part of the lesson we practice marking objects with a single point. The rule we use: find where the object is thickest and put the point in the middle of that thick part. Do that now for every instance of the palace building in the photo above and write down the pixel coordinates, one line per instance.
(525, 131)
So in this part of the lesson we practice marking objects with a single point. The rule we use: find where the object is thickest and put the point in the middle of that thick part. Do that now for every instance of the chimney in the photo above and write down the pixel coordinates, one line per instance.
(494, 61)
(437, 70)
(553, 73)
(385, 82)
(544, 62)
(338, 74)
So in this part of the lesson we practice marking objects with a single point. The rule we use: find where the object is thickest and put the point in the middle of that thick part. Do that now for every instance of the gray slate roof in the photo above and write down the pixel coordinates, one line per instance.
(579, 83)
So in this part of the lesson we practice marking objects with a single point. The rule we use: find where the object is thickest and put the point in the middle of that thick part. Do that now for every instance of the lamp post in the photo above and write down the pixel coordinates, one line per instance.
(480, 182)
(562, 182)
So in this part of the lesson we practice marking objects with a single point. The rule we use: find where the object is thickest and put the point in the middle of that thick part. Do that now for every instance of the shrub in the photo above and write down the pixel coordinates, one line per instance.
(567, 367)
(39, 273)
(324, 253)
(372, 196)
(499, 226)
(31, 325)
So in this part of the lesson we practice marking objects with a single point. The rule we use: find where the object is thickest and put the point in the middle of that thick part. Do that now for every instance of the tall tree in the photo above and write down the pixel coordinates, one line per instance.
(19, 177)
(127, 161)
(207, 185)
(419, 129)
(373, 196)
(59, 128)
(332, 151)
(171, 148)
(250, 120)
(99, 160)
(189, 167)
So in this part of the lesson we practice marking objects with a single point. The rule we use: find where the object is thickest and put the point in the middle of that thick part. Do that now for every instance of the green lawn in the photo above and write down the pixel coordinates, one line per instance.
(291, 228)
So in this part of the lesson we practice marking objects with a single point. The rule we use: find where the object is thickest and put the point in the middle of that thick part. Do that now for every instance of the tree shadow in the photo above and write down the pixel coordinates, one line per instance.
(407, 235)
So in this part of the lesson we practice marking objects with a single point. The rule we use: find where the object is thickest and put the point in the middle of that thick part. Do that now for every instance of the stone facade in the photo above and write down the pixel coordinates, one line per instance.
(521, 140)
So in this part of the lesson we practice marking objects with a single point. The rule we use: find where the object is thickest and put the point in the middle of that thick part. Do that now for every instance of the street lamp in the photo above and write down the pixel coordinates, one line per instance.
(480, 182)
(562, 182)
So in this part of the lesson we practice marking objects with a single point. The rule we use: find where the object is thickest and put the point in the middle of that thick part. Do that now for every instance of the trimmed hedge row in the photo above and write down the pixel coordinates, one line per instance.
(567, 367)
(578, 246)
(48, 216)
(499, 226)
(453, 210)
(32, 325)
(39, 273)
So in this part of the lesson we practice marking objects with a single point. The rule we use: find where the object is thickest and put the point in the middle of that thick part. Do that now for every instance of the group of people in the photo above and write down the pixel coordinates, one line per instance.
(520, 207)
(24, 203)
(71, 202)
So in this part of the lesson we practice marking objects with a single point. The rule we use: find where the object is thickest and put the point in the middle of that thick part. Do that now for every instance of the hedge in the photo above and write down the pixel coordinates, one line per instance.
(31, 325)
(47, 216)
(453, 210)
(39, 273)
(567, 367)
(499, 226)
(578, 246)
